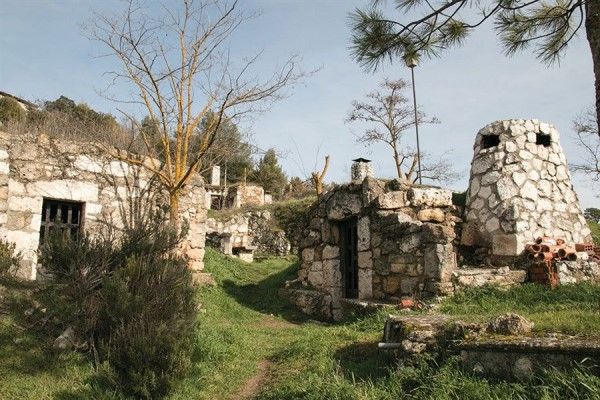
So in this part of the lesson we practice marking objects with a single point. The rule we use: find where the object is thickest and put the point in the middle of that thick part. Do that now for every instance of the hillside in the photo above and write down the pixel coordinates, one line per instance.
(254, 345)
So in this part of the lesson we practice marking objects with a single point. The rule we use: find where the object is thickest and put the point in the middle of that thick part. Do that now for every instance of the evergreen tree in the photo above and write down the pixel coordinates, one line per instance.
(229, 150)
(427, 28)
(269, 174)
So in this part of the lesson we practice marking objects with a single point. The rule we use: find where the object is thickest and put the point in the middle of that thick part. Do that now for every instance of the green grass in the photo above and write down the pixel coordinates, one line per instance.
(595, 228)
(245, 324)
(573, 309)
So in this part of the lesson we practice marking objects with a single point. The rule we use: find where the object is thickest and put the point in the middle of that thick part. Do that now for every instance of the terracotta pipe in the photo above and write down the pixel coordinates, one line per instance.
(549, 248)
(534, 248)
(548, 256)
(572, 256)
(565, 251)
(543, 256)
(546, 240)
(560, 242)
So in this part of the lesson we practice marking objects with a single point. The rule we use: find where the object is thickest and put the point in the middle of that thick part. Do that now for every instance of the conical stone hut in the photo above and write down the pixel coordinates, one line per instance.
(520, 189)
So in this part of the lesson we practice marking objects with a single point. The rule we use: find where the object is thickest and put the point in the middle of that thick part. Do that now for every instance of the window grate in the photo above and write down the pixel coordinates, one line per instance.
(62, 216)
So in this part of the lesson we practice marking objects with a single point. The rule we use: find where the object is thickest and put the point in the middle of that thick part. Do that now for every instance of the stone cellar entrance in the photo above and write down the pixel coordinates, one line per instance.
(65, 216)
(349, 257)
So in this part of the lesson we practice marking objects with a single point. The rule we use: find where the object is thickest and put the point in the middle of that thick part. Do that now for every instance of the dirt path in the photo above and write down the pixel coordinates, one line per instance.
(252, 385)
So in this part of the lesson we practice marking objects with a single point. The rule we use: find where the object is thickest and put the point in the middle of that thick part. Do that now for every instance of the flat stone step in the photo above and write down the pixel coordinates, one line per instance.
(520, 357)
(477, 276)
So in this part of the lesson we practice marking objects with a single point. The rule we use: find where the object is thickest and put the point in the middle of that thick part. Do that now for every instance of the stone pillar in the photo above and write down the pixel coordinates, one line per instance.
(215, 176)
(193, 210)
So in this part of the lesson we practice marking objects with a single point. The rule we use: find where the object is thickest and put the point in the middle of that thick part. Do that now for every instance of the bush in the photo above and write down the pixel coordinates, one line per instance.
(291, 217)
(10, 110)
(147, 324)
(131, 303)
(9, 259)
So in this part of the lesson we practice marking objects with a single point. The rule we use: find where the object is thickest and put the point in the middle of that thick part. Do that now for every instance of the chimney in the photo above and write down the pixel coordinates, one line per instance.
(215, 176)
(361, 168)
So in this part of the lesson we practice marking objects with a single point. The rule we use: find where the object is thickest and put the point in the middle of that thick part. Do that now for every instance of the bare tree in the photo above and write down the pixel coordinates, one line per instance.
(588, 140)
(181, 70)
(389, 115)
(318, 177)
(434, 168)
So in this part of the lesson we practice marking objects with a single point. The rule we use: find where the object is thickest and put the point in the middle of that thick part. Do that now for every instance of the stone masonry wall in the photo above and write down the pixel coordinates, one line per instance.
(405, 245)
(253, 228)
(246, 195)
(34, 168)
(520, 189)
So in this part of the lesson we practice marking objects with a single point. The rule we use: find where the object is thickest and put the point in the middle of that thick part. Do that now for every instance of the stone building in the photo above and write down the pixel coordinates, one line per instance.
(47, 184)
(520, 189)
(375, 240)
(245, 233)
(381, 241)
(222, 195)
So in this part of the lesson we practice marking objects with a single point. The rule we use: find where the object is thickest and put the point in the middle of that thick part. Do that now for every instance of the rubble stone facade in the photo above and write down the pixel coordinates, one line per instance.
(37, 169)
(520, 189)
(249, 229)
(375, 240)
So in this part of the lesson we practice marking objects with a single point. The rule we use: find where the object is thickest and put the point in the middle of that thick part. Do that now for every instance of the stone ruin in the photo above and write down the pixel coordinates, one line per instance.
(220, 194)
(375, 240)
(243, 234)
(384, 241)
(48, 184)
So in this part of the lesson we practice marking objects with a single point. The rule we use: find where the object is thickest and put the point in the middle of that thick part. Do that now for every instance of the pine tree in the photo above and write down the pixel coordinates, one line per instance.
(269, 174)
(545, 26)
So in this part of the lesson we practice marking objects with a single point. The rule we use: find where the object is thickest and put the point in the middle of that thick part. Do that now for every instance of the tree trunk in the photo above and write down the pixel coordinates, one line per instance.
(174, 207)
(592, 28)
(397, 161)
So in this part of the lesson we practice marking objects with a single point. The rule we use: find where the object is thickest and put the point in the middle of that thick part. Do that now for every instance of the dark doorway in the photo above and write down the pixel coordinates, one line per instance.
(349, 257)
(63, 216)
(216, 201)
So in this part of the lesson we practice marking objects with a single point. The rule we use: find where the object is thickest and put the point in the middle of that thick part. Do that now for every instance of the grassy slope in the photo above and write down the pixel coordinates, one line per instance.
(573, 309)
(595, 228)
(245, 325)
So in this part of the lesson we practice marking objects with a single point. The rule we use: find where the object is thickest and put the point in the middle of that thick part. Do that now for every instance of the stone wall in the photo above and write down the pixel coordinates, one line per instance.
(520, 189)
(112, 193)
(405, 244)
(504, 347)
(246, 195)
(252, 228)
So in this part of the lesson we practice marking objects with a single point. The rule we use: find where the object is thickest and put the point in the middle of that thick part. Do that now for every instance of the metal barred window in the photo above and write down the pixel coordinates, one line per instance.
(64, 216)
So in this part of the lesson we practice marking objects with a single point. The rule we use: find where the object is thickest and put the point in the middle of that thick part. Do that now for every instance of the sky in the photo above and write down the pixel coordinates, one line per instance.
(44, 54)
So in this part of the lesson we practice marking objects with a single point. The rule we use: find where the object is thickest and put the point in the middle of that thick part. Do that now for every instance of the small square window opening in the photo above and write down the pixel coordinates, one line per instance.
(543, 139)
(488, 141)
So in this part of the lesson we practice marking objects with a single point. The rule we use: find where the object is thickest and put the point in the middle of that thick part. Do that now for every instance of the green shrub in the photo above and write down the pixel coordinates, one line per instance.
(595, 228)
(130, 301)
(147, 324)
(459, 198)
(10, 110)
(9, 258)
(291, 215)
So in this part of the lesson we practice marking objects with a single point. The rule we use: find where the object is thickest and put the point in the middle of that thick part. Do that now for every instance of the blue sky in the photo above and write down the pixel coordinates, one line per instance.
(43, 54)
